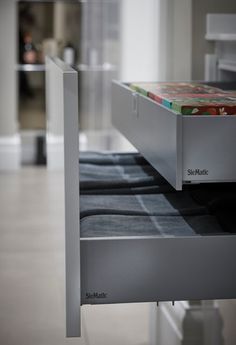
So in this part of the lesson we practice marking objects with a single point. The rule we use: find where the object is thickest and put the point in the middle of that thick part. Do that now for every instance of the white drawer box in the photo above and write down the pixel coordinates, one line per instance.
(184, 149)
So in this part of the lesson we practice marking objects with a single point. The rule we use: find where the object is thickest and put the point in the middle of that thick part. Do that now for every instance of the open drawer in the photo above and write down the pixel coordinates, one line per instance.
(151, 265)
(184, 149)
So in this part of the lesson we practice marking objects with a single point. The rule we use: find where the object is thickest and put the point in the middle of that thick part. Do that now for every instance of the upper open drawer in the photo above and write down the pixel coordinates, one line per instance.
(184, 149)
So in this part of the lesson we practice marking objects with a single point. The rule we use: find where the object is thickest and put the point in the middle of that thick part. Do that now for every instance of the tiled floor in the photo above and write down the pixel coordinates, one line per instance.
(32, 310)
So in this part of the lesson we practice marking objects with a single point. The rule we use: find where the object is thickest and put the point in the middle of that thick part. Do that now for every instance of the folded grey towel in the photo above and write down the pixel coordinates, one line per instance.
(119, 183)
(127, 189)
(90, 157)
(120, 178)
(93, 172)
(178, 203)
(121, 225)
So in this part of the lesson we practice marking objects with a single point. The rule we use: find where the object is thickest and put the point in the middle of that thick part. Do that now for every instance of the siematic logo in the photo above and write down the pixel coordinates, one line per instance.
(94, 295)
(193, 172)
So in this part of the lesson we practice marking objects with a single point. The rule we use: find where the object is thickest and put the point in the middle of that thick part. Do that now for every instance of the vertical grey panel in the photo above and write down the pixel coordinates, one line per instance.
(66, 86)
(124, 110)
(179, 152)
(54, 101)
(8, 58)
(95, 96)
(71, 147)
(99, 58)
(159, 132)
(153, 129)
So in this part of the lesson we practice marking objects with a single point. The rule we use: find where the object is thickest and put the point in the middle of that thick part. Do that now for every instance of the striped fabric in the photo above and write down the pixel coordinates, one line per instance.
(132, 174)
(132, 199)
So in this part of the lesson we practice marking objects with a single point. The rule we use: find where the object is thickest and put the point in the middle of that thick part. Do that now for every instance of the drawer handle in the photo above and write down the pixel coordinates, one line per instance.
(135, 103)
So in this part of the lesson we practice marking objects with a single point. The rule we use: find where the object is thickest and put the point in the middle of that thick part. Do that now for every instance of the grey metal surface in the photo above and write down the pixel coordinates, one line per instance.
(9, 118)
(100, 60)
(96, 68)
(95, 97)
(125, 270)
(161, 132)
(153, 129)
(209, 148)
(54, 107)
(125, 111)
(66, 84)
(31, 67)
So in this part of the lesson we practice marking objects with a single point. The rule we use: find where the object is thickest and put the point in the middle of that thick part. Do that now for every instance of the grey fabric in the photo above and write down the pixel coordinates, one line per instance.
(121, 225)
(90, 157)
(154, 204)
(119, 178)
(118, 184)
(127, 190)
(122, 195)
(93, 172)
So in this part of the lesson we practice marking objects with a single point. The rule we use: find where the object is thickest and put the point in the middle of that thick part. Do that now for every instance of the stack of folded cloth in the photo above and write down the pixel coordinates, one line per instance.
(119, 173)
(122, 195)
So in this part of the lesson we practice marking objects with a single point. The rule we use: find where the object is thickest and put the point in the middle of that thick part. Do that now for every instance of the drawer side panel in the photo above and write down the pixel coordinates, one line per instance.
(155, 131)
(160, 140)
(124, 111)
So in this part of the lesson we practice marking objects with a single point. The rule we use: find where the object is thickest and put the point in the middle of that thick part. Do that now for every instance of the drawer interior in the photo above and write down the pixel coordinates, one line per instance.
(143, 203)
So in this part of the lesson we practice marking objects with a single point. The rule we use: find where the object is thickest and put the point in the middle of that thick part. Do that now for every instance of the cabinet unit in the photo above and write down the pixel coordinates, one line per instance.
(115, 268)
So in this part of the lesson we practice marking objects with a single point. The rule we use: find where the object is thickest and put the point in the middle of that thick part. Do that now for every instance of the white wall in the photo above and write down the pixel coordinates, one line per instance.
(67, 24)
(9, 139)
(156, 40)
(182, 45)
(175, 45)
(8, 77)
(200, 45)
(139, 40)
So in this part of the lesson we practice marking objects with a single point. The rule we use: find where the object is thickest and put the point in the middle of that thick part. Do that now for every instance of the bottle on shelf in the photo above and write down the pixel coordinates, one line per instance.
(69, 54)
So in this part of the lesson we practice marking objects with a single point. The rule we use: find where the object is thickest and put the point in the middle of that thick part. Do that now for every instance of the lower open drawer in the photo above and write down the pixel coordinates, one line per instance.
(160, 247)
(184, 149)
